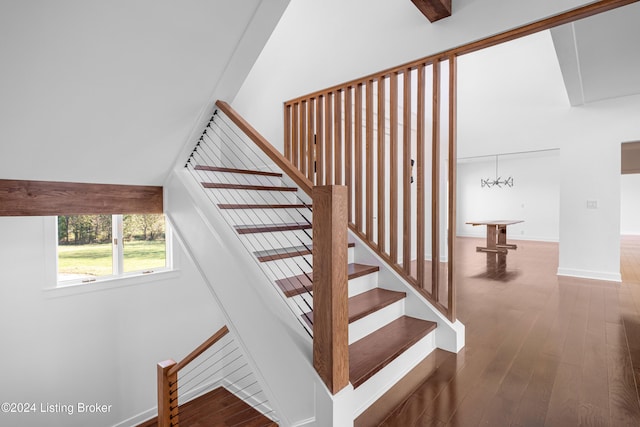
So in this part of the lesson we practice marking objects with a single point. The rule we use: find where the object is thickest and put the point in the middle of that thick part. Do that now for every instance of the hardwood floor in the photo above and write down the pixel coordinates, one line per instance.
(541, 350)
(218, 408)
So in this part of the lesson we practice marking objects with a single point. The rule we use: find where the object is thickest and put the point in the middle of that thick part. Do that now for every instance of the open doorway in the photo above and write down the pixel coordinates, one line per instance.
(630, 213)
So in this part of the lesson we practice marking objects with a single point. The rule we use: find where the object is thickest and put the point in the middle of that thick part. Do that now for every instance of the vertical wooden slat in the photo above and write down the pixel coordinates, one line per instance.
(382, 125)
(303, 137)
(319, 141)
(330, 313)
(348, 158)
(369, 160)
(167, 394)
(435, 182)
(393, 168)
(420, 141)
(295, 141)
(358, 157)
(287, 132)
(406, 166)
(337, 139)
(311, 148)
(453, 126)
(328, 139)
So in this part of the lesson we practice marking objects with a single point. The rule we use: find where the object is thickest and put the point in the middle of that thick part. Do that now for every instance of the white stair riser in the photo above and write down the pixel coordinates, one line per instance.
(238, 178)
(382, 381)
(276, 240)
(220, 195)
(374, 321)
(362, 284)
(266, 216)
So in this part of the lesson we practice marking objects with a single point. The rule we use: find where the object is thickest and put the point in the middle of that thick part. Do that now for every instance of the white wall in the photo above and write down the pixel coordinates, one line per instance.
(321, 44)
(530, 111)
(630, 205)
(93, 347)
(126, 78)
(590, 238)
(534, 197)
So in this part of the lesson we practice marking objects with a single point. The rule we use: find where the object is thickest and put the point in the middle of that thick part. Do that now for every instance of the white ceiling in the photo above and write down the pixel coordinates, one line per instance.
(600, 56)
(95, 91)
(108, 91)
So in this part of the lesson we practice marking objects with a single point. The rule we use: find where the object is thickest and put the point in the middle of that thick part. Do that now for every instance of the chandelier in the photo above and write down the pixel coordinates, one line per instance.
(498, 181)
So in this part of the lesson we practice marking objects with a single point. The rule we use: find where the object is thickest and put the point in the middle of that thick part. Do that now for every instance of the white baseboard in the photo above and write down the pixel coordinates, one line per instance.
(139, 419)
(588, 274)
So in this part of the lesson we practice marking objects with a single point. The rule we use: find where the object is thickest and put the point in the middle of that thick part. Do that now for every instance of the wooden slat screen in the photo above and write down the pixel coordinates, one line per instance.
(398, 131)
(377, 137)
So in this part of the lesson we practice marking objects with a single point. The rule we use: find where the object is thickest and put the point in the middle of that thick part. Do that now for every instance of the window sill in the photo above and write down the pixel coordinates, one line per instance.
(75, 288)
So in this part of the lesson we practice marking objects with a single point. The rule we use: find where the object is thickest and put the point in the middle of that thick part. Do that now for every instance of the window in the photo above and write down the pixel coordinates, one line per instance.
(94, 247)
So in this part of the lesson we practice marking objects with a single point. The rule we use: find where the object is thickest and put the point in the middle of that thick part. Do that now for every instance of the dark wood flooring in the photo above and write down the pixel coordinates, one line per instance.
(541, 350)
(218, 408)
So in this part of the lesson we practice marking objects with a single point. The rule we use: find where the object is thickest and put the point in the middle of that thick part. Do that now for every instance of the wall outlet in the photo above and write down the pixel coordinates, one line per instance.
(592, 204)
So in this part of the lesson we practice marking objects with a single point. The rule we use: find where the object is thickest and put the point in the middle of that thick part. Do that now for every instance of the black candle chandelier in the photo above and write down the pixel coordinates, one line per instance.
(498, 181)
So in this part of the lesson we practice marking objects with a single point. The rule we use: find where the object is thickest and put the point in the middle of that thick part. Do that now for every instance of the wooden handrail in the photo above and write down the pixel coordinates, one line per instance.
(167, 372)
(199, 350)
(282, 162)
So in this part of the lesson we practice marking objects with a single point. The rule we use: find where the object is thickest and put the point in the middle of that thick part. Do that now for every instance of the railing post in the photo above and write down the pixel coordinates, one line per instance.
(167, 395)
(330, 312)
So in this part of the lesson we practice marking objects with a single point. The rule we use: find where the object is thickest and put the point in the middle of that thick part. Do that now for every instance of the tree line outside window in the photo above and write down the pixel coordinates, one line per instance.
(96, 229)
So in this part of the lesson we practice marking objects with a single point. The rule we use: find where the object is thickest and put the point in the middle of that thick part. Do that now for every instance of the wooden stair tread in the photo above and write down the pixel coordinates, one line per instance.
(232, 170)
(295, 285)
(262, 206)
(375, 351)
(363, 304)
(220, 185)
(269, 228)
(282, 253)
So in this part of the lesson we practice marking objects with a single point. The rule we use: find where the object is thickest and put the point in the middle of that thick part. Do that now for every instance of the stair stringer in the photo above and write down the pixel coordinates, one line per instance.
(277, 348)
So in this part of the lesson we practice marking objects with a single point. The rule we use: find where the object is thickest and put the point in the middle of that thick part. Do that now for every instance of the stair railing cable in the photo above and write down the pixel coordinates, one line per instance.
(217, 136)
(254, 150)
(279, 236)
(217, 374)
(276, 235)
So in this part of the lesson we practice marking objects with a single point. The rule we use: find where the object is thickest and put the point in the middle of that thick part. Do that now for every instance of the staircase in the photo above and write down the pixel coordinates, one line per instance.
(247, 224)
(274, 222)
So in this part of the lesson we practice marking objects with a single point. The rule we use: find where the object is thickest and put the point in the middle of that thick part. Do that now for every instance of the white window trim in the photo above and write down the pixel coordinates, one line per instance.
(55, 288)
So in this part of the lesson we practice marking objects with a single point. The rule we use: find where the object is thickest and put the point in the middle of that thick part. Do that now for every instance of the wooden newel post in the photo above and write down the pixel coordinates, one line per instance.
(330, 310)
(167, 394)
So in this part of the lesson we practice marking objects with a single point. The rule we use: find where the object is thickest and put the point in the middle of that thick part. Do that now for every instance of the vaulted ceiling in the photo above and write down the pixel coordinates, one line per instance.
(600, 56)
(108, 91)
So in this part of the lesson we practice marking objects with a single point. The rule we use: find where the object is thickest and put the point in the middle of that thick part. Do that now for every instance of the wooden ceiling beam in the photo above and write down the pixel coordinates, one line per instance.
(47, 198)
(434, 10)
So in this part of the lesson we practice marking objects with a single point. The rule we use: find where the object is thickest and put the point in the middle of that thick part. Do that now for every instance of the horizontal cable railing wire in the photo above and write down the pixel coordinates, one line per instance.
(225, 382)
(222, 145)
